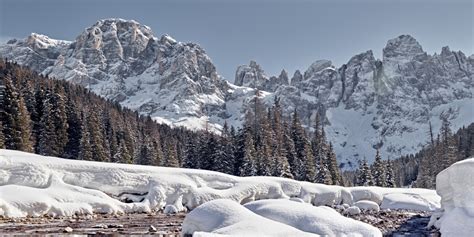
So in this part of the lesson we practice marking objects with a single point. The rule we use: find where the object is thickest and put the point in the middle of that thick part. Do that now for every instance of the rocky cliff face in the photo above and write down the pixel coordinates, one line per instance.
(368, 103)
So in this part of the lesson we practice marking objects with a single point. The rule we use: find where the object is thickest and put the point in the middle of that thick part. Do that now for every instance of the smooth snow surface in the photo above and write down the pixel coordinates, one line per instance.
(227, 217)
(455, 186)
(306, 217)
(34, 185)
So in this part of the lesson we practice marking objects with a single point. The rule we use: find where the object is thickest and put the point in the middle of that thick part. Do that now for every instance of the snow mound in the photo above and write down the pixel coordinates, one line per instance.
(226, 217)
(34, 185)
(455, 186)
(407, 201)
(367, 205)
(352, 210)
(319, 220)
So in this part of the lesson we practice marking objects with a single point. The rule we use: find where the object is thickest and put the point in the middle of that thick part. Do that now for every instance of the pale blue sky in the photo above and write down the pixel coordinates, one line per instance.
(278, 34)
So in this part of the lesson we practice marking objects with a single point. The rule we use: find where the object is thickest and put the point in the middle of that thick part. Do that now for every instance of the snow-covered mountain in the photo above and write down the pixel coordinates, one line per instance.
(368, 103)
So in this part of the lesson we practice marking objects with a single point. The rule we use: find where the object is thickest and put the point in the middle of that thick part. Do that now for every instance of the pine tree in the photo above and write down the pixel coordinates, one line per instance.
(281, 166)
(191, 157)
(16, 119)
(53, 135)
(85, 147)
(97, 136)
(304, 162)
(248, 166)
(2, 138)
(171, 158)
(223, 156)
(147, 153)
(289, 147)
(264, 159)
(333, 167)
(449, 148)
(364, 177)
(323, 175)
(378, 171)
(74, 130)
(24, 127)
(123, 155)
(389, 178)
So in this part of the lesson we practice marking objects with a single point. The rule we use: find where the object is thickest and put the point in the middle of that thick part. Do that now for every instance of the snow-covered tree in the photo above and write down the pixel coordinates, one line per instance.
(389, 178)
(378, 171)
(364, 177)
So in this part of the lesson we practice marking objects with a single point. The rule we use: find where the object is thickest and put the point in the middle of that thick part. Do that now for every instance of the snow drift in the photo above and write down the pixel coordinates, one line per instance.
(230, 218)
(455, 186)
(34, 185)
(322, 220)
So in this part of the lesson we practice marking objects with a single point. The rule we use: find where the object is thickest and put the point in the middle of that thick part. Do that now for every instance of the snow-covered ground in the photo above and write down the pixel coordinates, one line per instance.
(455, 185)
(275, 217)
(34, 185)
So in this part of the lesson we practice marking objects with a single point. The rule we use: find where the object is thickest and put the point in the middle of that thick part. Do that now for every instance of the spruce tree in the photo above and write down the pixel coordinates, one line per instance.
(171, 158)
(333, 167)
(16, 119)
(248, 166)
(96, 134)
(85, 147)
(147, 152)
(378, 171)
(24, 127)
(191, 154)
(74, 130)
(304, 162)
(223, 156)
(449, 147)
(281, 166)
(2, 138)
(289, 147)
(389, 178)
(364, 177)
(123, 155)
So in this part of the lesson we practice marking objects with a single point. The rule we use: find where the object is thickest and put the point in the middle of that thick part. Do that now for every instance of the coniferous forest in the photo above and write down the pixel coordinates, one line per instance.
(57, 118)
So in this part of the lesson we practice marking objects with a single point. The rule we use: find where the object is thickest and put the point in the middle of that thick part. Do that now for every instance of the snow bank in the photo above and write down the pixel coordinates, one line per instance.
(399, 198)
(455, 185)
(367, 205)
(227, 217)
(319, 220)
(34, 185)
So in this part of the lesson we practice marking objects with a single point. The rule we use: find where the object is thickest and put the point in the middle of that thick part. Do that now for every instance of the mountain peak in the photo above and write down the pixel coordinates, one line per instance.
(404, 46)
(317, 66)
(39, 41)
(251, 75)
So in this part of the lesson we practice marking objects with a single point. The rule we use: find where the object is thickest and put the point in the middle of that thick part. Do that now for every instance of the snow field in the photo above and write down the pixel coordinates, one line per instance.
(34, 185)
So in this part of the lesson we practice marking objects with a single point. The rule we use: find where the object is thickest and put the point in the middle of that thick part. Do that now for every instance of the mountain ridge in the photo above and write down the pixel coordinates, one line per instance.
(388, 100)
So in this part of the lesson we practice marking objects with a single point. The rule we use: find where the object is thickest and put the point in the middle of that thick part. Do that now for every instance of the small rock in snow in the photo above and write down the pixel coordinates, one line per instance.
(67, 230)
(152, 229)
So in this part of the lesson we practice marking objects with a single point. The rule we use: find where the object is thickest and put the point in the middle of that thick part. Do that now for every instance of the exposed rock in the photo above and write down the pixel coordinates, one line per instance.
(251, 75)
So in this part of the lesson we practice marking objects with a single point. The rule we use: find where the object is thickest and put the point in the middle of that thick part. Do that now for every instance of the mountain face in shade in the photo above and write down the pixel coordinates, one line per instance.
(367, 103)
